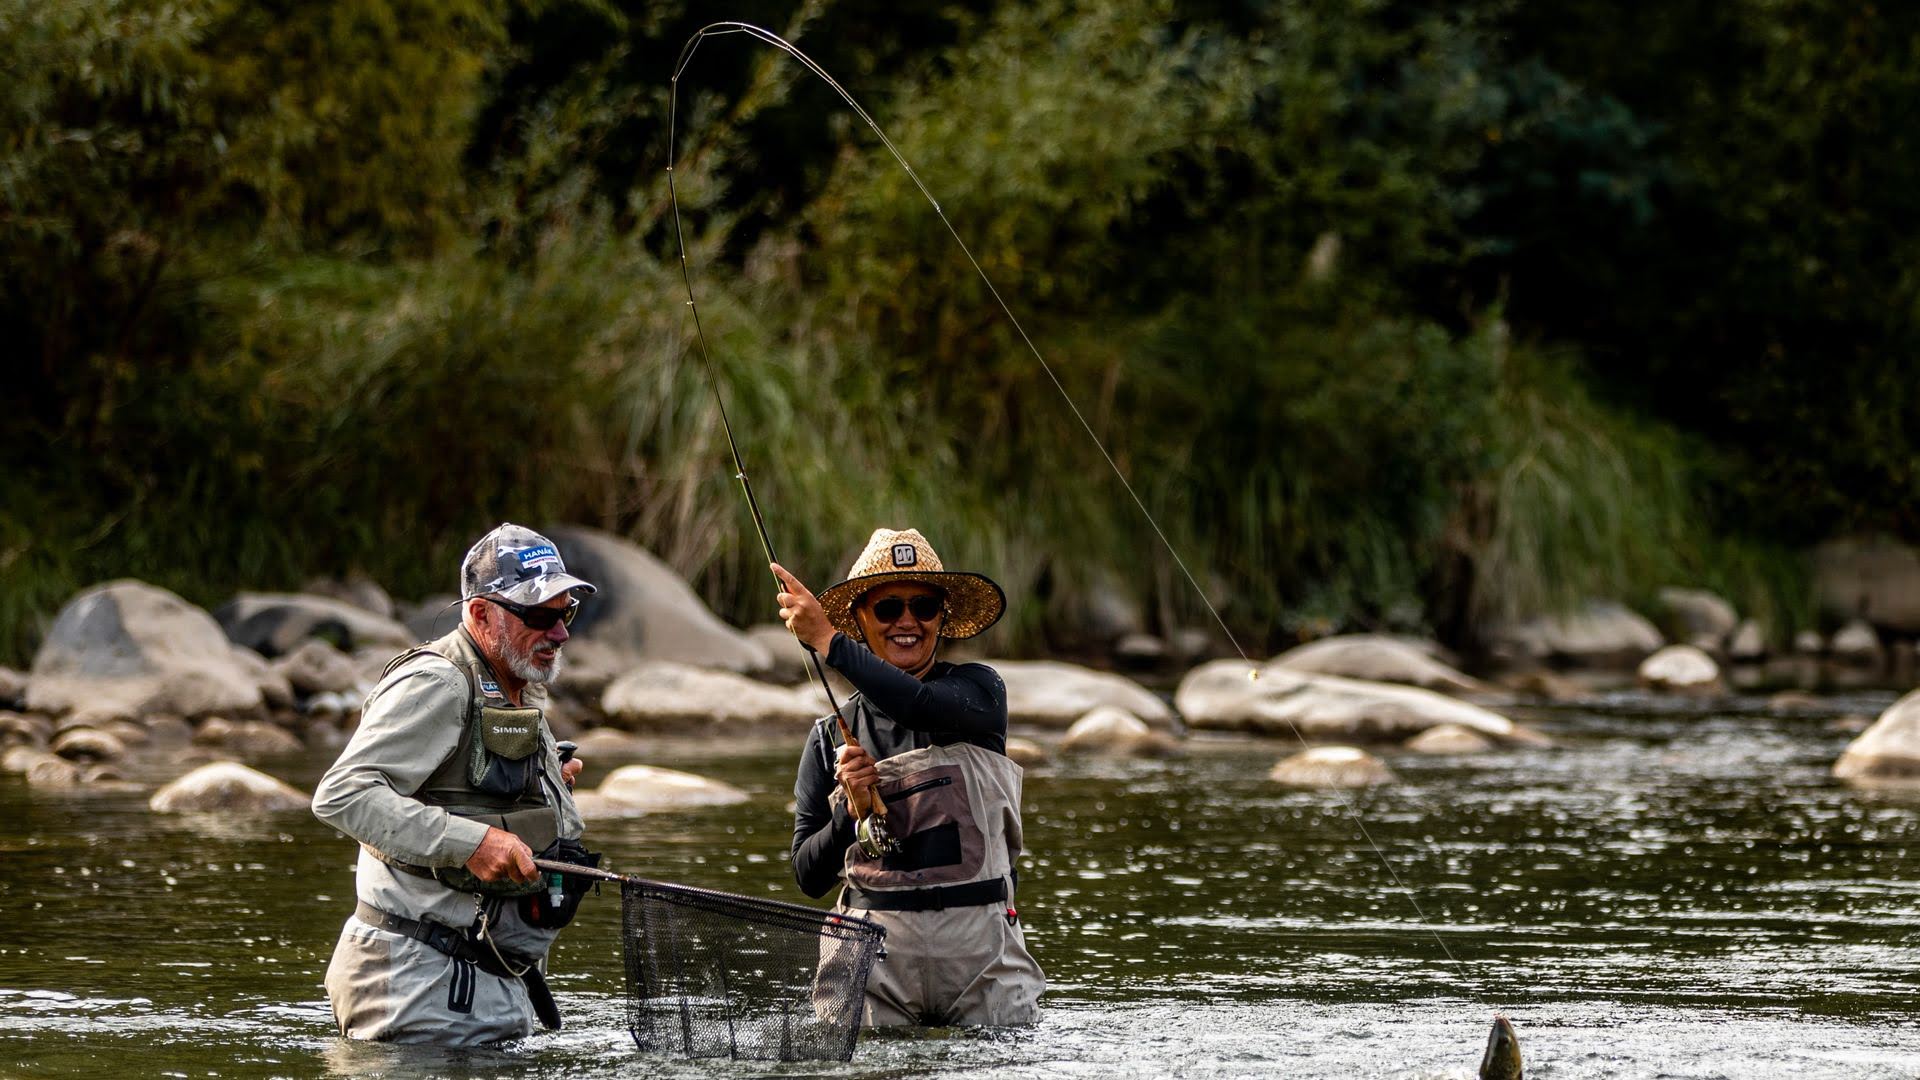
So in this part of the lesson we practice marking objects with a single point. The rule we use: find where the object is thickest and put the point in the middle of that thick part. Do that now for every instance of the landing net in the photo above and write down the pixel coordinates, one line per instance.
(714, 975)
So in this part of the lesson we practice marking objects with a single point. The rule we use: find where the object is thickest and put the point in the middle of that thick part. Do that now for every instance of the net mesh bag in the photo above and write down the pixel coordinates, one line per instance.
(711, 974)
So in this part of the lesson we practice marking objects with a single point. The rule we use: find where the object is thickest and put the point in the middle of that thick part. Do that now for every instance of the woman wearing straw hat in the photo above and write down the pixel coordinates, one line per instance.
(929, 752)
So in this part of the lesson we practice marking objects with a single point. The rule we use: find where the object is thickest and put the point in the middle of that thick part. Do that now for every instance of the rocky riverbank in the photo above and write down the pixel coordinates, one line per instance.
(132, 684)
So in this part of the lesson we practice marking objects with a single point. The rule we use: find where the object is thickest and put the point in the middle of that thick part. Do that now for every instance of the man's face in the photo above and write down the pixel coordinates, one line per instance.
(532, 655)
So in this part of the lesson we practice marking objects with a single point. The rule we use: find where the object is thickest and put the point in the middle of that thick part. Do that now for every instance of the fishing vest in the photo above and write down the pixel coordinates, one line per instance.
(955, 812)
(494, 775)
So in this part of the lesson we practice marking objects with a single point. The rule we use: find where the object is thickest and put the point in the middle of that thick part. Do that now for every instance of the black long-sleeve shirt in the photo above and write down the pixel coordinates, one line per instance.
(892, 713)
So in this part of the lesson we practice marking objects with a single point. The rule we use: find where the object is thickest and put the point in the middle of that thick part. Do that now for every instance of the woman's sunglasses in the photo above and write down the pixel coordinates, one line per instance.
(539, 618)
(923, 607)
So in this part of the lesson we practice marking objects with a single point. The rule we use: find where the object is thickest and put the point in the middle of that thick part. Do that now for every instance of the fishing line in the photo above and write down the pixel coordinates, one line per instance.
(768, 37)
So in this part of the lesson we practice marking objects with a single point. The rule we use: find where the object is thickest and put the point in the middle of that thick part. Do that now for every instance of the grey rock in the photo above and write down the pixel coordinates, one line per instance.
(432, 618)
(1053, 694)
(1377, 658)
(1857, 644)
(1140, 651)
(646, 789)
(665, 696)
(1887, 752)
(1449, 739)
(1117, 733)
(1601, 634)
(1809, 643)
(131, 648)
(274, 624)
(315, 667)
(1025, 752)
(646, 609)
(356, 589)
(1748, 643)
(18, 730)
(1694, 614)
(229, 788)
(1681, 669)
(250, 738)
(1332, 767)
(275, 691)
(1220, 696)
(88, 744)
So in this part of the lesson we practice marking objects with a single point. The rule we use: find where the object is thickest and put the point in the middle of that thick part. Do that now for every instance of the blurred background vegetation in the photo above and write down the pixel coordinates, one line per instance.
(1405, 316)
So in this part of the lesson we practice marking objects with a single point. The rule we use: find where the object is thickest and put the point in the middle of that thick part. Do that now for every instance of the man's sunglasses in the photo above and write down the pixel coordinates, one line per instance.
(539, 618)
(923, 607)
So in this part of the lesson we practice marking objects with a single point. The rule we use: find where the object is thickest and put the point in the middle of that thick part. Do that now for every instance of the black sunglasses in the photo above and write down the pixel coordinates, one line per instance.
(923, 607)
(539, 618)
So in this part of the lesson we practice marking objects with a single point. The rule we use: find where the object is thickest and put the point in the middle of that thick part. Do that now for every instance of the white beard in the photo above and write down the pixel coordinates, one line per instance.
(520, 662)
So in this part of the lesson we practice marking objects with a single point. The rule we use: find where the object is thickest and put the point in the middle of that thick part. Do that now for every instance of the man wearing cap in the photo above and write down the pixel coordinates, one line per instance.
(918, 812)
(452, 783)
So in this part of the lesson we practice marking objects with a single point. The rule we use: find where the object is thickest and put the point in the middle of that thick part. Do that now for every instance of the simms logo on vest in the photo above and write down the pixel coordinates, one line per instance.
(536, 558)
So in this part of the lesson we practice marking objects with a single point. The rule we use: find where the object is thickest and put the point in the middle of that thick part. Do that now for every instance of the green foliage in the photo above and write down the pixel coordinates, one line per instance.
(301, 288)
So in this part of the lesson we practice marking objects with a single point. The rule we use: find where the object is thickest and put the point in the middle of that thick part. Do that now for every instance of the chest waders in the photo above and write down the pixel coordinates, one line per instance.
(494, 776)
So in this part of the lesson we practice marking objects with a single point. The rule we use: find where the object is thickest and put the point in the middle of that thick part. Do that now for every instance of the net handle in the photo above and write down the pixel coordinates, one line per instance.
(554, 866)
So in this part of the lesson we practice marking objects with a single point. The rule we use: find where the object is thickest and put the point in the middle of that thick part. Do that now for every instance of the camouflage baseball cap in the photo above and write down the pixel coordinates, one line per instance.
(519, 564)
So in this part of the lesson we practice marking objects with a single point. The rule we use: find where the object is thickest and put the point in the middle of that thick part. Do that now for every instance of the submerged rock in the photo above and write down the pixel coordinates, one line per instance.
(1219, 696)
(1449, 739)
(1376, 658)
(1332, 767)
(130, 648)
(1681, 669)
(663, 696)
(1026, 753)
(1055, 694)
(597, 744)
(230, 787)
(1889, 751)
(647, 789)
(18, 730)
(1116, 732)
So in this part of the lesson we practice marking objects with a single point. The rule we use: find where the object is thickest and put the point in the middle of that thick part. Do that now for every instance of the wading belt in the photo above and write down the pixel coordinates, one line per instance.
(939, 898)
(461, 945)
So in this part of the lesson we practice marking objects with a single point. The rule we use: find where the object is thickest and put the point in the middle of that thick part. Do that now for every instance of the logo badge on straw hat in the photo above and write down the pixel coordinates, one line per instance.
(973, 601)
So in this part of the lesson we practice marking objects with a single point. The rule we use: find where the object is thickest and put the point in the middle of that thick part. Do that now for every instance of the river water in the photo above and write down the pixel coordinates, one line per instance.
(1665, 894)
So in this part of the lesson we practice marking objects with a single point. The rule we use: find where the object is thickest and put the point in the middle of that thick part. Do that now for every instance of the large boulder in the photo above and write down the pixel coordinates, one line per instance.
(1054, 694)
(645, 609)
(230, 788)
(130, 648)
(664, 696)
(1878, 579)
(1601, 634)
(1681, 669)
(1697, 615)
(1115, 732)
(1220, 696)
(1332, 767)
(274, 624)
(1889, 751)
(647, 789)
(1377, 658)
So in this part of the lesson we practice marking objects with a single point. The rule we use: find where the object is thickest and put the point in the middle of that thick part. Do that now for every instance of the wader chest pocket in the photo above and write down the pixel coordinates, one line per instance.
(503, 761)
(926, 849)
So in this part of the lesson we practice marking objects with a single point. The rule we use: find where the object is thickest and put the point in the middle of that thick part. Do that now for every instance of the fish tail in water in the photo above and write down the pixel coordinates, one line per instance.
(1502, 1060)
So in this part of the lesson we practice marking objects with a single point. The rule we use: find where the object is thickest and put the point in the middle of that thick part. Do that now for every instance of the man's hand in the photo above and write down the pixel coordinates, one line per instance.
(801, 611)
(570, 771)
(856, 772)
(502, 856)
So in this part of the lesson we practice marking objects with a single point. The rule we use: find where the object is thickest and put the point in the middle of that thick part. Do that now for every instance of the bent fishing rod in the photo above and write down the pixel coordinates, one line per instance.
(768, 37)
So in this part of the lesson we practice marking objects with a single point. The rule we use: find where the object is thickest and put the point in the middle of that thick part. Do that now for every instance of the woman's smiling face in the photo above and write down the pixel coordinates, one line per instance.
(907, 640)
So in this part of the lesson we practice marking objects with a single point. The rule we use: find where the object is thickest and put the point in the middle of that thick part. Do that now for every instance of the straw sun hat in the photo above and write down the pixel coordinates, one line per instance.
(974, 602)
